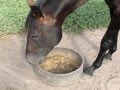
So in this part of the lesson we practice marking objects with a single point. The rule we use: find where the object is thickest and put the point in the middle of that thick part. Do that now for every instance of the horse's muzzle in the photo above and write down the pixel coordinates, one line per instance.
(37, 58)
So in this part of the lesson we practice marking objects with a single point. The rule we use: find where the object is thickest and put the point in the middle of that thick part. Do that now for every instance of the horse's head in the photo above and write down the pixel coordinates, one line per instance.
(44, 26)
(44, 32)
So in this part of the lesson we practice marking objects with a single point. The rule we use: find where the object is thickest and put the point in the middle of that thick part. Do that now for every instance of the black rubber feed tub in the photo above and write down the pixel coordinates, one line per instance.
(61, 79)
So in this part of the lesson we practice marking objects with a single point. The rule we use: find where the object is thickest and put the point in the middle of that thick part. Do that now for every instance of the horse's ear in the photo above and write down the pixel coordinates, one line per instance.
(35, 10)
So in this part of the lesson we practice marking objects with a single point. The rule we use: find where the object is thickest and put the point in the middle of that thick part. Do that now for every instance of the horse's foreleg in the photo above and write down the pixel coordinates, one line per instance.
(108, 42)
(105, 45)
(113, 48)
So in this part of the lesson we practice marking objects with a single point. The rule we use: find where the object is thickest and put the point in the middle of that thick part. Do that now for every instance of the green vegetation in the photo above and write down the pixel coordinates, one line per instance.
(12, 16)
(94, 14)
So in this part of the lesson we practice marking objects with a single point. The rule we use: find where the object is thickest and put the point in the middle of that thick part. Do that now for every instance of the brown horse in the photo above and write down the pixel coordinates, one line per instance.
(44, 24)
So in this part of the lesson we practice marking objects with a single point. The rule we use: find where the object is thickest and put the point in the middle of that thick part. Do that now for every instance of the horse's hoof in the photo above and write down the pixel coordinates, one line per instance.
(89, 70)
(108, 56)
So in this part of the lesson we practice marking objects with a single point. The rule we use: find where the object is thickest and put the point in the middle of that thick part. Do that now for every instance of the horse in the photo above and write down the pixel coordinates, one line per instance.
(44, 25)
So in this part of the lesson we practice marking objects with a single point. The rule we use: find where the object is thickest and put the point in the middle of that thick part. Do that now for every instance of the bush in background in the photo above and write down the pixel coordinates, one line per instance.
(94, 14)
(13, 14)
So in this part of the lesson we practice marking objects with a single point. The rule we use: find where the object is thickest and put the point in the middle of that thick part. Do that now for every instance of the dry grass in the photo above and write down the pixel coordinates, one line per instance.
(59, 64)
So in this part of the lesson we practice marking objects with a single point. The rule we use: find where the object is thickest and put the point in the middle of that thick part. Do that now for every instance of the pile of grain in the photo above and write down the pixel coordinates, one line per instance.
(59, 64)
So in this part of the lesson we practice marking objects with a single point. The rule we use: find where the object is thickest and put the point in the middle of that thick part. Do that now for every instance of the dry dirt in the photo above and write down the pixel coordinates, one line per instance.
(17, 74)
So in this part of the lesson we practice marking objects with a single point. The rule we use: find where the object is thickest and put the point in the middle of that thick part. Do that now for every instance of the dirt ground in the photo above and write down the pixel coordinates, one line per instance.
(17, 74)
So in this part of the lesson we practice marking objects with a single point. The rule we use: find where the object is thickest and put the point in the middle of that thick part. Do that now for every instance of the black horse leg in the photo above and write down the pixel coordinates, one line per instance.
(107, 41)
(105, 45)
(113, 48)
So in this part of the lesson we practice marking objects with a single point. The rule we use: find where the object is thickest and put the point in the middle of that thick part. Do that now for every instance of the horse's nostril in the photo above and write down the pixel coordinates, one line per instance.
(34, 36)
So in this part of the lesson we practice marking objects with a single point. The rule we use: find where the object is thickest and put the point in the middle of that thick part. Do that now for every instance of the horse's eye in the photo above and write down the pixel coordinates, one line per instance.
(34, 36)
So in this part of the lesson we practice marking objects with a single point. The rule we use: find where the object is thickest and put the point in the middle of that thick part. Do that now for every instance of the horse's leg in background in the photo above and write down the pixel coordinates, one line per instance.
(105, 45)
(108, 41)
(113, 48)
